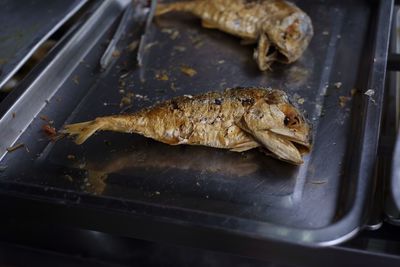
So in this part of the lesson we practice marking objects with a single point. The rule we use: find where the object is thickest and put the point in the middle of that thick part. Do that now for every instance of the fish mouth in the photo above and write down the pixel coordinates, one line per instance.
(287, 145)
(297, 138)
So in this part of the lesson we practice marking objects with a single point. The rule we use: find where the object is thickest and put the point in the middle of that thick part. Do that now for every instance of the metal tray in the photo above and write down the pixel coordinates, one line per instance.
(25, 25)
(390, 138)
(323, 202)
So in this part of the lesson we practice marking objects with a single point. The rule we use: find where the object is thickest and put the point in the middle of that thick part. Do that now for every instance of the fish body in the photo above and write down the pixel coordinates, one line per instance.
(282, 30)
(237, 119)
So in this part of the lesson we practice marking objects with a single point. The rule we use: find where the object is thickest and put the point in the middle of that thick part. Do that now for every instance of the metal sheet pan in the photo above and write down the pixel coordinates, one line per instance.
(323, 202)
(25, 25)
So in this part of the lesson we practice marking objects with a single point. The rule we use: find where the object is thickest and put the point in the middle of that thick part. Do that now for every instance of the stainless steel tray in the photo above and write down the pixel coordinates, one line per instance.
(25, 25)
(323, 202)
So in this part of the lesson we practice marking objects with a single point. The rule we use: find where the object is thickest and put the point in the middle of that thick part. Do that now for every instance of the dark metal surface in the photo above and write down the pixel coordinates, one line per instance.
(391, 144)
(152, 185)
(25, 25)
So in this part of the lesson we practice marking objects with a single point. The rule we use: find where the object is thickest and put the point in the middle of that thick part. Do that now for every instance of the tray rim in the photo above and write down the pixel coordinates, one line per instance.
(343, 229)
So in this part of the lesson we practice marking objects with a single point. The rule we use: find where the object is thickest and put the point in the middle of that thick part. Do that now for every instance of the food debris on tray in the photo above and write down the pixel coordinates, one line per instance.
(180, 48)
(49, 130)
(15, 147)
(370, 93)
(237, 119)
(133, 45)
(188, 71)
(126, 99)
(282, 30)
(116, 53)
(343, 100)
(75, 79)
(338, 85)
(162, 76)
(173, 33)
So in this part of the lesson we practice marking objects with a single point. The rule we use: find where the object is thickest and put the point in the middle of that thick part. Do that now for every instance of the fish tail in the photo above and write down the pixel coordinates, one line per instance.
(83, 130)
(179, 6)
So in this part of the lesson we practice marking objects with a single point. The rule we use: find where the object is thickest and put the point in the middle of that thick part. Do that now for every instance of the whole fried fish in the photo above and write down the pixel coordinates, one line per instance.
(282, 30)
(237, 119)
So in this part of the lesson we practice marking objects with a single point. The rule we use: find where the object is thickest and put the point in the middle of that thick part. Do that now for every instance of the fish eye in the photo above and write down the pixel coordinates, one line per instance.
(291, 121)
(286, 121)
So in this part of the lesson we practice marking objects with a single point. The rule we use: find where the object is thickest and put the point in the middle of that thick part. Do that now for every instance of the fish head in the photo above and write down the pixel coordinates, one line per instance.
(279, 126)
(289, 37)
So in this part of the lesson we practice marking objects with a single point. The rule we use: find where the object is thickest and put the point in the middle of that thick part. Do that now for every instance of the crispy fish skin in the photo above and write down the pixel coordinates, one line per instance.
(282, 30)
(237, 119)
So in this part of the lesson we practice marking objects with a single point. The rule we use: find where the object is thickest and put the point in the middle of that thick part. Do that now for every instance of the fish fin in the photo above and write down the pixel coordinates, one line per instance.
(264, 60)
(164, 8)
(208, 24)
(178, 6)
(245, 146)
(83, 130)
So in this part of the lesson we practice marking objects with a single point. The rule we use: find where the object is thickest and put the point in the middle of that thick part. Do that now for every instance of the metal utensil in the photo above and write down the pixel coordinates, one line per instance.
(107, 56)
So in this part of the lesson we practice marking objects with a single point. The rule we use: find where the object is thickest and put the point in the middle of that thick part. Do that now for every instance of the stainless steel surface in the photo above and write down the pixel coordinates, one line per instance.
(25, 25)
(392, 140)
(41, 90)
(107, 57)
(148, 34)
(322, 202)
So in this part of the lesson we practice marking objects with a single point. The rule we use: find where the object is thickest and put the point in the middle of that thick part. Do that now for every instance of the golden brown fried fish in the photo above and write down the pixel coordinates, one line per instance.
(282, 30)
(237, 119)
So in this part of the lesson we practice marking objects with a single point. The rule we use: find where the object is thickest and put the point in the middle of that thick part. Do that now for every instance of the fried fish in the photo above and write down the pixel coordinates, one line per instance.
(237, 119)
(281, 29)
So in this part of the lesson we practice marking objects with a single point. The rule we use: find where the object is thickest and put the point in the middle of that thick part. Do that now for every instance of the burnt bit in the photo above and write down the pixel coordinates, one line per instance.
(247, 101)
(174, 104)
(218, 101)
(49, 130)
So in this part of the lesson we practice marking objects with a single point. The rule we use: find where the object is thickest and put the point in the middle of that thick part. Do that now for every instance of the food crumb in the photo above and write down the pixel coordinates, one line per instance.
(75, 79)
(174, 35)
(68, 177)
(319, 182)
(370, 93)
(162, 76)
(150, 45)
(325, 33)
(180, 48)
(188, 71)
(133, 45)
(338, 85)
(82, 165)
(343, 100)
(15, 147)
(49, 130)
(173, 87)
(126, 99)
(353, 91)
(301, 101)
(116, 53)
(14, 115)
(221, 61)
(157, 193)
(70, 157)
